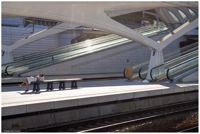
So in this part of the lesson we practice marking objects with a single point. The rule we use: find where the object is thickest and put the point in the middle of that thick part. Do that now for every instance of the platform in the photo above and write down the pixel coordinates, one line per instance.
(16, 101)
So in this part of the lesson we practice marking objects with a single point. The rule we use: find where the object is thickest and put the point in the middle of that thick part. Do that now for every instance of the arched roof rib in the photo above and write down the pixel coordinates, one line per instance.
(176, 13)
(121, 11)
(163, 17)
(191, 11)
(186, 12)
(89, 14)
(195, 10)
(184, 16)
(174, 17)
(171, 17)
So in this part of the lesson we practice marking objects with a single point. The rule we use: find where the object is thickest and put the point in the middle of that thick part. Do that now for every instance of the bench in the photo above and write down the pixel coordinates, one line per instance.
(36, 84)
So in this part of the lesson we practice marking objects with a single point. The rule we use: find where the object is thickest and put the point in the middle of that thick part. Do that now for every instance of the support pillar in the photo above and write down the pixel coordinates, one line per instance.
(7, 57)
(157, 17)
(156, 59)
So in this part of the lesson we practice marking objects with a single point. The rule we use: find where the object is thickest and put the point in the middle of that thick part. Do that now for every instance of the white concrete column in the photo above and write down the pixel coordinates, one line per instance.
(7, 57)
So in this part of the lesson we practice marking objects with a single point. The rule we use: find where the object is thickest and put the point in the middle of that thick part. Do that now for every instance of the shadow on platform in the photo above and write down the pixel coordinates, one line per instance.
(45, 91)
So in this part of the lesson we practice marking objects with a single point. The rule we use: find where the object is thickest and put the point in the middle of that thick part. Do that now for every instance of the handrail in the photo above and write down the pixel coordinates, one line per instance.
(6, 70)
(170, 52)
(177, 66)
(154, 68)
(60, 48)
(65, 58)
(183, 53)
(64, 47)
(161, 65)
(47, 57)
(181, 57)
(58, 56)
(140, 71)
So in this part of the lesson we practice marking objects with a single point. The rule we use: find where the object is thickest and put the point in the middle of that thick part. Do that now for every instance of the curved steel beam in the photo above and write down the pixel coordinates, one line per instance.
(180, 31)
(89, 14)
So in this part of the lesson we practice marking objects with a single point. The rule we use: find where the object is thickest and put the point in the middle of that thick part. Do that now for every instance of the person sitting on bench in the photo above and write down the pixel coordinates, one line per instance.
(28, 80)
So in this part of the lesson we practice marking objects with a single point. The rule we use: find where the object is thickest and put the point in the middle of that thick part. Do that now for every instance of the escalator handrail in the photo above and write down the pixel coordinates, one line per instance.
(6, 70)
(161, 65)
(167, 63)
(64, 58)
(169, 53)
(54, 50)
(190, 53)
(50, 55)
(23, 63)
(58, 61)
(177, 66)
(184, 52)
(152, 70)
(140, 74)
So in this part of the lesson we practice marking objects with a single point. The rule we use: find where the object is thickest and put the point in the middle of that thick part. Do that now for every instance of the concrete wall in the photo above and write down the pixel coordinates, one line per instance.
(12, 21)
(65, 39)
(13, 34)
(124, 102)
(192, 77)
(107, 61)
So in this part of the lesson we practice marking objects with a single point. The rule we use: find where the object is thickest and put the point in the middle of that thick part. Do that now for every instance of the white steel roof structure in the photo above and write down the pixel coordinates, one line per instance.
(97, 15)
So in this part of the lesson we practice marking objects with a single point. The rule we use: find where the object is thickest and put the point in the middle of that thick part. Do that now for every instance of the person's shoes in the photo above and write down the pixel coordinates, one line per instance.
(26, 90)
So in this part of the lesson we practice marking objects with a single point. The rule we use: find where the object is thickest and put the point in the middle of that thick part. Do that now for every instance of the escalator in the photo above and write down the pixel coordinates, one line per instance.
(183, 69)
(171, 59)
(160, 72)
(32, 62)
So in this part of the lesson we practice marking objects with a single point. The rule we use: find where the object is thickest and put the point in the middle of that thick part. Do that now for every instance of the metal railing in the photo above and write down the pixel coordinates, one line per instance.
(189, 61)
(171, 55)
(172, 62)
(140, 74)
(152, 71)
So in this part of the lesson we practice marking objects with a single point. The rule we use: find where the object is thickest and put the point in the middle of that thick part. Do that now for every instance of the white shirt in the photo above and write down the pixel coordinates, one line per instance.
(41, 78)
